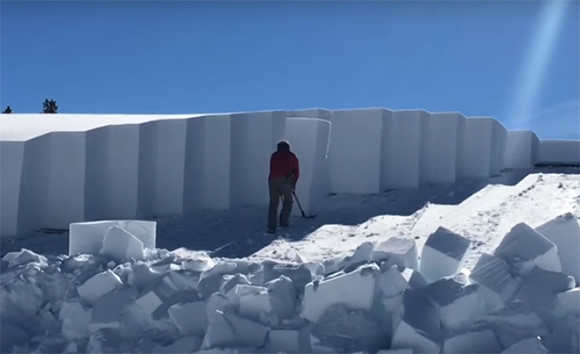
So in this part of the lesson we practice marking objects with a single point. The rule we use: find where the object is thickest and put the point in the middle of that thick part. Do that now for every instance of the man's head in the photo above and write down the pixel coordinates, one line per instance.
(283, 145)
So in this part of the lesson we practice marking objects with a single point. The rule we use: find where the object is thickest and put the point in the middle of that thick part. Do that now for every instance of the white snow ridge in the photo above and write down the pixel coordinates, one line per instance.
(457, 237)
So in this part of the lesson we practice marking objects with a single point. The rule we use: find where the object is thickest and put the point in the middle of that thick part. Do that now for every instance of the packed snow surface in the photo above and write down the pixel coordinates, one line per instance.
(348, 280)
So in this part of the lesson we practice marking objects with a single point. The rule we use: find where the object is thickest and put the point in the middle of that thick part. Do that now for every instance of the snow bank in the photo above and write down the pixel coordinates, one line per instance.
(559, 152)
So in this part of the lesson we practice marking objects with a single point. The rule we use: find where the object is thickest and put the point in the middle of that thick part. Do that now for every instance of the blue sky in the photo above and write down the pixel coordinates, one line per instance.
(517, 61)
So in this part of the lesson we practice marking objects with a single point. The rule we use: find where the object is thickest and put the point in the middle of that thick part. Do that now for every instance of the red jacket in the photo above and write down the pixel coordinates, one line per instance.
(284, 163)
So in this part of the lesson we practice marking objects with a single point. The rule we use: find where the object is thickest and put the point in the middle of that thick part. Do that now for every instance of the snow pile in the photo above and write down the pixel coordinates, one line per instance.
(382, 298)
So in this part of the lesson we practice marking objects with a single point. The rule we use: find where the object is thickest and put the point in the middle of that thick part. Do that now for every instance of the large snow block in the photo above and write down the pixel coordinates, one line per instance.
(112, 172)
(354, 290)
(524, 243)
(309, 139)
(99, 285)
(121, 245)
(190, 318)
(564, 232)
(354, 157)
(444, 146)
(161, 167)
(521, 149)
(108, 311)
(251, 146)
(497, 286)
(397, 250)
(11, 163)
(207, 163)
(404, 149)
(87, 237)
(64, 181)
(559, 152)
(443, 254)
(483, 148)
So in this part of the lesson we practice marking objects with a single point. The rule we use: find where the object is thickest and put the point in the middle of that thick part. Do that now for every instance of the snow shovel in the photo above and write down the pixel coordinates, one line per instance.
(300, 206)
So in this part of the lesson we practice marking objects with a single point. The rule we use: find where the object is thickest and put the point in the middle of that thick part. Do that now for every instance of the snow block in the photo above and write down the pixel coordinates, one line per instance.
(524, 243)
(496, 284)
(107, 311)
(483, 148)
(75, 319)
(149, 302)
(515, 322)
(570, 301)
(521, 149)
(254, 302)
(399, 251)
(288, 341)
(251, 146)
(414, 278)
(161, 167)
(88, 237)
(283, 297)
(531, 345)
(443, 254)
(309, 139)
(11, 163)
(190, 318)
(404, 149)
(361, 255)
(182, 345)
(99, 285)
(391, 282)
(444, 147)
(458, 302)
(298, 273)
(559, 152)
(354, 167)
(564, 232)
(481, 340)
(207, 163)
(355, 290)
(121, 245)
(226, 330)
(112, 172)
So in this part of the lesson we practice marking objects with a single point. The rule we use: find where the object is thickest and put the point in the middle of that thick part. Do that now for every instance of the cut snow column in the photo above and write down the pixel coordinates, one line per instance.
(112, 172)
(207, 163)
(161, 167)
(309, 138)
(525, 244)
(354, 157)
(87, 237)
(521, 149)
(11, 163)
(444, 146)
(483, 148)
(404, 149)
(564, 232)
(442, 254)
(559, 152)
(251, 146)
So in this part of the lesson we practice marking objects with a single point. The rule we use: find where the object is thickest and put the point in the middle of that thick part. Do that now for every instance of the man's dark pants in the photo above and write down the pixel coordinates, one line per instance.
(281, 186)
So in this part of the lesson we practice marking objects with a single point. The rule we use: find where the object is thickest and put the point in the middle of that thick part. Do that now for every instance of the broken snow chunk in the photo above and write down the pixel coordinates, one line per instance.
(472, 340)
(361, 255)
(565, 336)
(149, 302)
(346, 330)
(227, 330)
(570, 301)
(24, 256)
(142, 276)
(496, 284)
(121, 245)
(190, 318)
(391, 282)
(531, 345)
(99, 285)
(88, 237)
(355, 290)
(414, 278)
(399, 251)
(182, 345)
(289, 341)
(107, 311)
(419, 329)
(230, 281)
(564, 232)
(443, 254)
(299, 274)
(254, 302)
(283, 297)
(75, 320)
(525, 243)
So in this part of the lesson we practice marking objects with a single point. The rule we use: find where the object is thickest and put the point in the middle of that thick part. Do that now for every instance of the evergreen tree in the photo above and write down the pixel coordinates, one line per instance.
(7, 110)
(49, 106)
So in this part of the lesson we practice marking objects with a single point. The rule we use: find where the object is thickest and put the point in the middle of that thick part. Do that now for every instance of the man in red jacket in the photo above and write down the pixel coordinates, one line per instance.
(284, 173)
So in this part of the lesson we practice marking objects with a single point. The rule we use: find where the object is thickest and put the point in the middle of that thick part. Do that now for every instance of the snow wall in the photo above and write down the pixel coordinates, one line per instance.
(70, 168)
